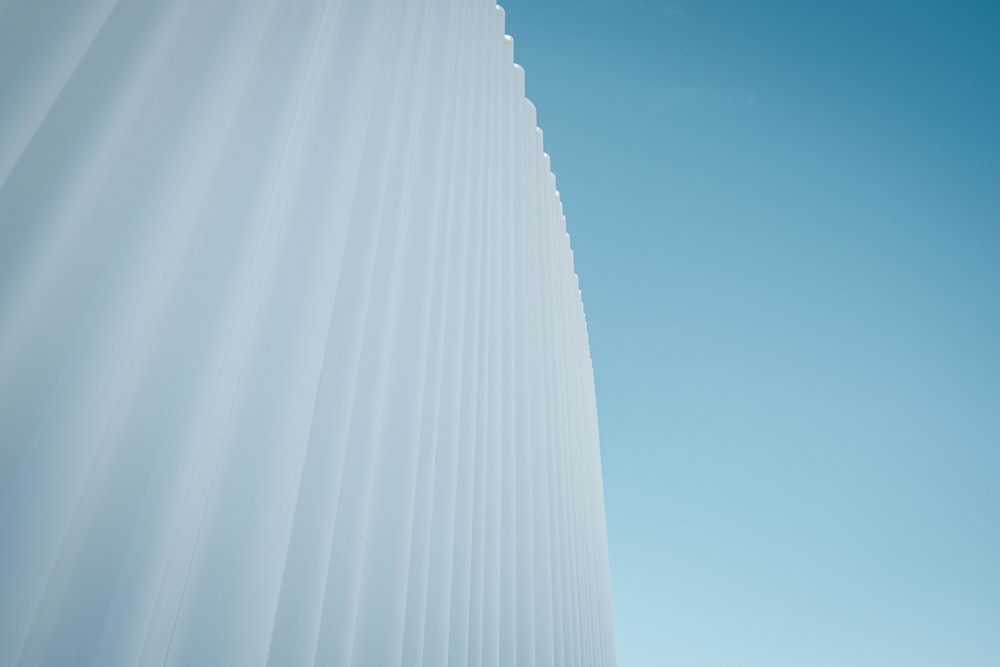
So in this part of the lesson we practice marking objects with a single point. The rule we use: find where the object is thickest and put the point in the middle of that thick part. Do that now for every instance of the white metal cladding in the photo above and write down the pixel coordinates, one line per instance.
(293, 362)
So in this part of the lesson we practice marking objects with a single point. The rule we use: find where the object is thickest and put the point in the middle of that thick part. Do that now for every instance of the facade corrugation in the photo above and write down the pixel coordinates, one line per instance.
(293, 360)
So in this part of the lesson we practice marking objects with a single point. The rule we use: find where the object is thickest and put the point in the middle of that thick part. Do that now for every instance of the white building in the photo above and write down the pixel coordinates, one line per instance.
(293, 362)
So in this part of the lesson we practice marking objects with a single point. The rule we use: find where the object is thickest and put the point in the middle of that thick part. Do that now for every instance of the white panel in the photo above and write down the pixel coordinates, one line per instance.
(293, 360)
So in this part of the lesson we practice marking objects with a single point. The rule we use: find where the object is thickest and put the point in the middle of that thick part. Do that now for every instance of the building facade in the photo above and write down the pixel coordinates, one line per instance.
(293, 360)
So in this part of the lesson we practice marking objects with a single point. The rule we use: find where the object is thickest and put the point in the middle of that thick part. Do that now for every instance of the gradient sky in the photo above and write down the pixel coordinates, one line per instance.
(786, 221)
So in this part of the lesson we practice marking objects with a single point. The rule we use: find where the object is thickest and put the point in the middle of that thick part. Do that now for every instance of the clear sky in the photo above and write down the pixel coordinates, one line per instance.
(786, 221)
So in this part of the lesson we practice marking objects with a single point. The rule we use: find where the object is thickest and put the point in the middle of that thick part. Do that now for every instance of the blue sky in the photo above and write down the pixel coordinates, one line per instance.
(786, 221)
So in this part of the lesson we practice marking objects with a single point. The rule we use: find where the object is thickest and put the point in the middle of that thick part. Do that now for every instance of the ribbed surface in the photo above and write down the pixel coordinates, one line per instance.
(293, 363)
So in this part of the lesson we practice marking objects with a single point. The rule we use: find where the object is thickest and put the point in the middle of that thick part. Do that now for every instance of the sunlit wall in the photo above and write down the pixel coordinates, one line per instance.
(293, 362)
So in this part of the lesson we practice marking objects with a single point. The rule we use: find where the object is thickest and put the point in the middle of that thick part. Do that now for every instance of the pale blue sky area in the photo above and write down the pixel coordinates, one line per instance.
(786, 218)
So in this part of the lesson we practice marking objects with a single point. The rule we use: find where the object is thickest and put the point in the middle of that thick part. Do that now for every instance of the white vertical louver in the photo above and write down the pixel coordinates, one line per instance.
(293, 362)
